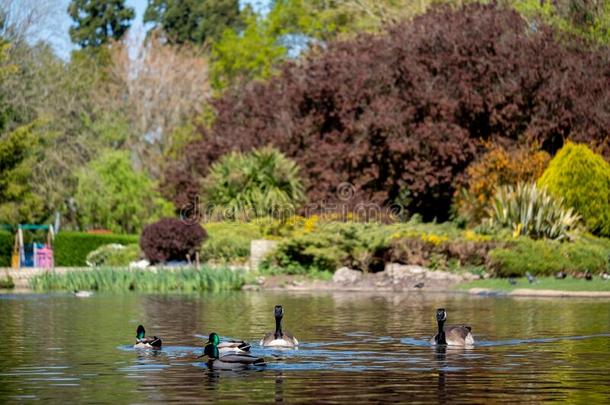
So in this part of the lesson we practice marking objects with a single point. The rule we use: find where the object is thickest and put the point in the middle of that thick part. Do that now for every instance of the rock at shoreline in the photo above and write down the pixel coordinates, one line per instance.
(400, 273)
(346, 275)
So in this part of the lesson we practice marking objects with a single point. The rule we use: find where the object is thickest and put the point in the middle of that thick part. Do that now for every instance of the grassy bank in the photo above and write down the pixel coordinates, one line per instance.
(543, 283)
(123, 280)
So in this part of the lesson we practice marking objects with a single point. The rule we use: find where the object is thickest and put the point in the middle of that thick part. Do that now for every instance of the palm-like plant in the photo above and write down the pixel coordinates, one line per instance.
(530, 210)
(263, 182)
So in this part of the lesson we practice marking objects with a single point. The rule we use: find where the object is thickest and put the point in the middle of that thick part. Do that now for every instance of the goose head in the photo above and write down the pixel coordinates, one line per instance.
(441, 315)
(278, 312)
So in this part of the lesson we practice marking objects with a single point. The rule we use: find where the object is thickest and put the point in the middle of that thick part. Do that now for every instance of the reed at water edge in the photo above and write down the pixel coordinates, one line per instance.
(162, 280)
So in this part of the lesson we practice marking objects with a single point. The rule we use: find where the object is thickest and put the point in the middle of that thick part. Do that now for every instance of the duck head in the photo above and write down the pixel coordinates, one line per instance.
(140, 332)
(213, 339)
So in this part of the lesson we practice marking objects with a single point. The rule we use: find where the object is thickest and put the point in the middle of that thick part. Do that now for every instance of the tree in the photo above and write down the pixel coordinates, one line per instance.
(31, 19)
(589, 19)
(254, 51)
(251, 54)
(160, 88)
(194, 21)
(18, 202)
(96, 22)
(112, 195)
(404, 113)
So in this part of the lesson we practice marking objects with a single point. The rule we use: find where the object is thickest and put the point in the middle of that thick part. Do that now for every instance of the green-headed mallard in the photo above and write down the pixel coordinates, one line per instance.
(237, 361)
(143, 342)
(229, 346)
(457, 335)
(279, 338)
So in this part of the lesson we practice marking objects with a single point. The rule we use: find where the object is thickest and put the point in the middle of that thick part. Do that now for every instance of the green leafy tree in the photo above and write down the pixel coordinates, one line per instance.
(112, 195)
(253, 52)
(194, 21)
(98, 21)
(259, 183)
(586, 18)
(18, 202)
(248, 55)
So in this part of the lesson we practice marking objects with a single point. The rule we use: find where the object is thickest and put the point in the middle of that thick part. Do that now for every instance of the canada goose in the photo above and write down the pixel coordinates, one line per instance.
(279, 338)
(229, 346)
(457, 335)
(143, 342)
(239, 361)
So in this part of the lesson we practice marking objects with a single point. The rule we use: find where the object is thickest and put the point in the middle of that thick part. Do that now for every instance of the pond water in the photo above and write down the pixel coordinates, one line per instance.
(355, 347)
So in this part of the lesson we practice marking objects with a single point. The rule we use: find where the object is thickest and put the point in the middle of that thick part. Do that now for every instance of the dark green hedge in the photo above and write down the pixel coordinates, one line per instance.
(6, 248)
(71, 248)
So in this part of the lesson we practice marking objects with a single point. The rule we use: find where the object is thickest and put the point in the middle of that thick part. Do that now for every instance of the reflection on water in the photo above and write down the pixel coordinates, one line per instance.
(361, 347)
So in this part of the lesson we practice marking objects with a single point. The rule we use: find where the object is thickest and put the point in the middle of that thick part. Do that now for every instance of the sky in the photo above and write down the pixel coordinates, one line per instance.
(61, 39)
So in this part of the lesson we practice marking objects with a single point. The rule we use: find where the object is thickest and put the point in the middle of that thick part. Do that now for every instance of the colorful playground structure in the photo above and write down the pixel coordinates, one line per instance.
(34, 253)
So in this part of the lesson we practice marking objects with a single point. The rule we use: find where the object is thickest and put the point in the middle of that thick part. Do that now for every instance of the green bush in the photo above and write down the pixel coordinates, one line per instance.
(7, 283)
(545, 257)
(331, 245)
(582, 179)
(71, 248)
(229, 241)
(529, 210)
(7, 239)
(114, 255)
(111, 194)
(256, 184)
(122, 280)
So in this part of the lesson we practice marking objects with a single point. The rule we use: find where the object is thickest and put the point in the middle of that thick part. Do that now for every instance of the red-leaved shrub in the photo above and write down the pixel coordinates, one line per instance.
(171, 239)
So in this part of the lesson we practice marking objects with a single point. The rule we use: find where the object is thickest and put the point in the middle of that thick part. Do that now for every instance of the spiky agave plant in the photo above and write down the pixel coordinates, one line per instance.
(532, 211)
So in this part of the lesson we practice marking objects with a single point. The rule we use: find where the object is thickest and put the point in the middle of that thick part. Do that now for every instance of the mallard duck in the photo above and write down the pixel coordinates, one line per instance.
(279, 338)
(229, 346)
(237, 361)
(143, 342)
(457, 335)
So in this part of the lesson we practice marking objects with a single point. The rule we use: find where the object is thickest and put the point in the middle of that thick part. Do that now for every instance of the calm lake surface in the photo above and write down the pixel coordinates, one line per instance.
(355, 348)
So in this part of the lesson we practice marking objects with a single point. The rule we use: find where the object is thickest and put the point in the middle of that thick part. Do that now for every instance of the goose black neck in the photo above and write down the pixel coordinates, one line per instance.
(278, 327)
(440, 336)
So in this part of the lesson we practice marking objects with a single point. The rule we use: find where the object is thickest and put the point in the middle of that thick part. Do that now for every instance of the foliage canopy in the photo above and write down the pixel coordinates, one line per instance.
(112, 195)
(194, 21)
(96, 22)
(401, 115)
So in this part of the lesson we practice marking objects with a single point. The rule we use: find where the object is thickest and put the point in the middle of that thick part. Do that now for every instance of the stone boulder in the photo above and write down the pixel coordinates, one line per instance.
(345, 275)
(402, 272)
